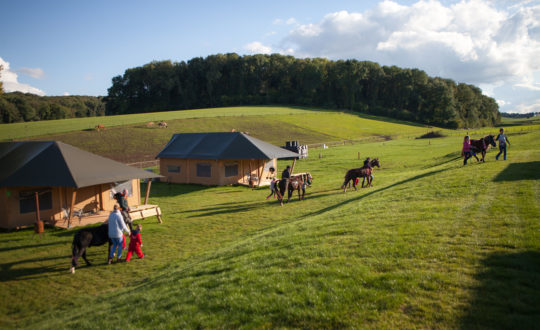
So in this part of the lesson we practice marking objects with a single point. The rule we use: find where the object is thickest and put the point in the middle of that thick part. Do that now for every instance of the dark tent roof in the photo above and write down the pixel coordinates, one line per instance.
(231, 145)
(56, 164)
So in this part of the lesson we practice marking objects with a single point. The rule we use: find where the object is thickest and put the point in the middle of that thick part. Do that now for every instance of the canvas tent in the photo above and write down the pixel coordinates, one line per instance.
(219, 159)
(65, 178)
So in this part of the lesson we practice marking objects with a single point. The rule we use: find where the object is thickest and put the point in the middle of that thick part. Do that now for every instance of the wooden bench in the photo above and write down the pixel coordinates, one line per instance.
(145, 211)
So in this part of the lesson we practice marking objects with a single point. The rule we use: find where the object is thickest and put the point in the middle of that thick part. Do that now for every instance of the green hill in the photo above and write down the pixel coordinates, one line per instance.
(433, 244)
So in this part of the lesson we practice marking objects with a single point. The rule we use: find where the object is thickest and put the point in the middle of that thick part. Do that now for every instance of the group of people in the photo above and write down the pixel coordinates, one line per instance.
(468, 152)
(117, 227)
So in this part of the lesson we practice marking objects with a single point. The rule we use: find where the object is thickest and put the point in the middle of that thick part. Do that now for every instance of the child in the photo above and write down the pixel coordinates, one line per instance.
(273, 183)
(135, 243)
(466, 151)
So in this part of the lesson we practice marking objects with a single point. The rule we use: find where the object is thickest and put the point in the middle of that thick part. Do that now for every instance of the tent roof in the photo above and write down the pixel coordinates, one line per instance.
(228, 145)
(56, 164)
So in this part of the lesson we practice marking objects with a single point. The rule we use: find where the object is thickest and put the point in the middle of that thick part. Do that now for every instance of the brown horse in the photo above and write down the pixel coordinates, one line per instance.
(297, 182)
(355, 173)
(481, 146)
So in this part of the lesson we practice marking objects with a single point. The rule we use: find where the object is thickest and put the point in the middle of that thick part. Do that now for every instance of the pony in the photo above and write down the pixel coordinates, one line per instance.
(85, 238)
(356, 173)
(297, 182)
(481, 145)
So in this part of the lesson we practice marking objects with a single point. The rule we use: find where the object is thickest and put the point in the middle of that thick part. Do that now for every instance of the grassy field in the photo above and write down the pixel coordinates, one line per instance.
(433, 244)
(138, 142)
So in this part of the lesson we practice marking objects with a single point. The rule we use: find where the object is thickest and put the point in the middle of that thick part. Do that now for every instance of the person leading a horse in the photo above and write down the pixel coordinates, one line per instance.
(367, 166)
(502, 143)
(286, 174)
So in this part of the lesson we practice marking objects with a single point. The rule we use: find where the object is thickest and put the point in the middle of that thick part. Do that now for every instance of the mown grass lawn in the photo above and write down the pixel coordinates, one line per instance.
(432, 245)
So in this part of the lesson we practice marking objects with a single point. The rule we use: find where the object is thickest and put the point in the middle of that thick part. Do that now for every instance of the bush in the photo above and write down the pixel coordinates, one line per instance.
(431, 135)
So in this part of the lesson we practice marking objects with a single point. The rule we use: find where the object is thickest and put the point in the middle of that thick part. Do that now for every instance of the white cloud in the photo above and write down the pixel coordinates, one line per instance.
(472, 41)
(66, 94)
(258, 48)
(289, 21)
(11, 84)
(36, 73)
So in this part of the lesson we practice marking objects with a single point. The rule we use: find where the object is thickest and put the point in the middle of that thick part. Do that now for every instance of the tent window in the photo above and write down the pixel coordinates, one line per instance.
(204, 170)
(231, 170)
(120, 186)
(173, 169)
(27, 201)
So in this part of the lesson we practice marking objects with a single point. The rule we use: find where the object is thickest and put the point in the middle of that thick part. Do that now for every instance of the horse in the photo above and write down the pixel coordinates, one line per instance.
(356, 173)
(481, 145)
(296, 182)
(100, 127)
(85, 238)
(162, 124)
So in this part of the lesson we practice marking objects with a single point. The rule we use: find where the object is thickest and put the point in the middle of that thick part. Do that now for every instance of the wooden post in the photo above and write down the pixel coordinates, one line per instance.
(359, 155)
(148, 184)
(249, 179)
(261, 168)
(320, 156)
(101, 208)
(72, 208)
(39, 224)
(292, 168)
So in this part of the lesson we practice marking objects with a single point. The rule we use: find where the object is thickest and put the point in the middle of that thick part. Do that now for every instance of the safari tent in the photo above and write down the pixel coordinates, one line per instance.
(219, 159)
(60, 178)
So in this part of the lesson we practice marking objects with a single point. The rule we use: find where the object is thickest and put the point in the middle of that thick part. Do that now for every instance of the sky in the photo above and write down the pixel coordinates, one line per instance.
(76, 47)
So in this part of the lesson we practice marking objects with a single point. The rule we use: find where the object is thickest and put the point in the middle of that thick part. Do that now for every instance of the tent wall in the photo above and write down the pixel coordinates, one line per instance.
(190, 170)
(87, 199)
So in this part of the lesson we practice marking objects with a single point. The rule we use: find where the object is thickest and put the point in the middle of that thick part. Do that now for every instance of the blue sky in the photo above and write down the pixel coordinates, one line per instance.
(75, 47)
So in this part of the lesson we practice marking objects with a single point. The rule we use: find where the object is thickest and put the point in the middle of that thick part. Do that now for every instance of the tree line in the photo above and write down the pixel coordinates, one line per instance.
(362, 86)
(230, 80)
(17, 107)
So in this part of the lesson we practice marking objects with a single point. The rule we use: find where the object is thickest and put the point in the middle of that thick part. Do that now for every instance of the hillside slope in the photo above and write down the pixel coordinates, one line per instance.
(432, 244)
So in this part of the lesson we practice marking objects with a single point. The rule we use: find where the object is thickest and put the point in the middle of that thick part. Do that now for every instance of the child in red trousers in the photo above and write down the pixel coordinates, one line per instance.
(135, 243)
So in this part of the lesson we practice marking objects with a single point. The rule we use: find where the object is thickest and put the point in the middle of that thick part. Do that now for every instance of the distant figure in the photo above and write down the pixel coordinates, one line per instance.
(502, 143)
(286, 174)
(135, 243)
(466, 150)
(367, 165)
(273, 185)
(116, 229)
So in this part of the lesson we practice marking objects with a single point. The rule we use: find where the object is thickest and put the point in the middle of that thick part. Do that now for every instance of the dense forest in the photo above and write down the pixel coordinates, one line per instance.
(16, 107)
(230, 79)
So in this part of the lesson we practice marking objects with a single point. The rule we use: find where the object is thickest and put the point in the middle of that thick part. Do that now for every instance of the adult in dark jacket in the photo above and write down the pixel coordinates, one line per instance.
(286, 174)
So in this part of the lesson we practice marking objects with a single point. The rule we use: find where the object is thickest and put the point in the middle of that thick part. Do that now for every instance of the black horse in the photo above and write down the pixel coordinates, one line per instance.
(356, 173)
(85, 238)
(297, 182)
(481, 146)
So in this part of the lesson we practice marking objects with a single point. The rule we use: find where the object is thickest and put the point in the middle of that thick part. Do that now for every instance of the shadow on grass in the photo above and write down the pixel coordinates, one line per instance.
(162, 189)
(508, 294)
(8, 273)
(519, 171)
(331, 207)
(11, 248)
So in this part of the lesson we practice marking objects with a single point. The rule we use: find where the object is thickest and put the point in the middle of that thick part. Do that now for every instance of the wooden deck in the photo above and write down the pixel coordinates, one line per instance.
(136, 213)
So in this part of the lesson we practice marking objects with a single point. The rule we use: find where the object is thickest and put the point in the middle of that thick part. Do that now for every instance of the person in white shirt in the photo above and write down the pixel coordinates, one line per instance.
(116, 227)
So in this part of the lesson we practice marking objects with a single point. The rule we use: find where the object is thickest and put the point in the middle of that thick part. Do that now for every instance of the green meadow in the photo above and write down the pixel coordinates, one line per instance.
(433, 244)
